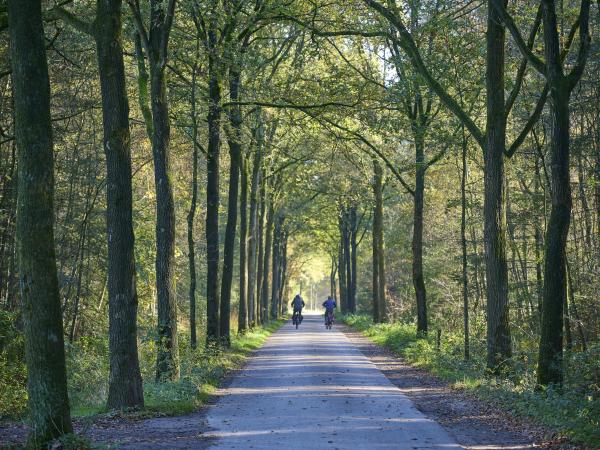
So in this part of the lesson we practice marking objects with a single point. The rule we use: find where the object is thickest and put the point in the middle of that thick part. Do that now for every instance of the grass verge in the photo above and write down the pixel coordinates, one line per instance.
(202, 370)
(573, 412)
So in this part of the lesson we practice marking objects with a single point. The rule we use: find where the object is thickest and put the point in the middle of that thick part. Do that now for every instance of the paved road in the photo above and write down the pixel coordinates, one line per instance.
(312, 389)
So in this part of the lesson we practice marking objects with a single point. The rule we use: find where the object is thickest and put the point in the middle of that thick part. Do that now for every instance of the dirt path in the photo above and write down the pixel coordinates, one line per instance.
(314, 388)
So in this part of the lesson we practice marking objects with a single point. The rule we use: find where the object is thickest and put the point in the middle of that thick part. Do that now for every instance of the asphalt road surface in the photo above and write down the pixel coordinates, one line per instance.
(311, 388)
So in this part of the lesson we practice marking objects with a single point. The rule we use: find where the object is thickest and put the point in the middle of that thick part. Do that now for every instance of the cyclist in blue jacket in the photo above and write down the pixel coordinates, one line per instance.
(329, 306)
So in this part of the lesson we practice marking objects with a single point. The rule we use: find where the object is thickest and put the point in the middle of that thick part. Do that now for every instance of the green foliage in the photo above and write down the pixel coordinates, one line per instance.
(13, 373)
(573, 410)
(88, 369)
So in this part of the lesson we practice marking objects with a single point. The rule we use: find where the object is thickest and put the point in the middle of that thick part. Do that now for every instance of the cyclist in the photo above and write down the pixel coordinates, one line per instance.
(298, 304)
(329, 306)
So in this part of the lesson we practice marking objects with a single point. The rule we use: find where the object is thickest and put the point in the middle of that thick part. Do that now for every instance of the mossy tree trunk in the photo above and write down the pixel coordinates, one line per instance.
(499, 349)
(125, 384)
(42, 318)
(155, 42)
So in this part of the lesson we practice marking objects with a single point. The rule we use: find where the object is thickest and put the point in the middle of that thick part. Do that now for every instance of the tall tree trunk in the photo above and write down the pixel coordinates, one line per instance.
(377, 220)
(417, 240)
(275, 266)
(167, 364)
(463, 242)
(342, 273)
(44, 342)
(538, 242)
(498, 330)
(235, 154)
(551, 338)
(261, 251)
(212, 190)
(192, 213)
(347, 263)
(243, 308)
(379, 248)
(253, 236)
(264, 292)
(550, 362)
(268, 244)
(283, 282)
(353, 249)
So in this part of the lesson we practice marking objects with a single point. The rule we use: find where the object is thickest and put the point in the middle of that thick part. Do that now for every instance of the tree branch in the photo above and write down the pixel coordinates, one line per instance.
(508, 21)
(77, 23)
(407, 43)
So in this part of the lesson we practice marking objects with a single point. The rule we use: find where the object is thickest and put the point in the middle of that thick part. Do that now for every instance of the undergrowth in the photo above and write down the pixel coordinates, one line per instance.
(87, 370)
(573, 411)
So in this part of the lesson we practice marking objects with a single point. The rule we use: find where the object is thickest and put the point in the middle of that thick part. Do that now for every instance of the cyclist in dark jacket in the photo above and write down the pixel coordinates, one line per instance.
(329, 306)
(298, 304)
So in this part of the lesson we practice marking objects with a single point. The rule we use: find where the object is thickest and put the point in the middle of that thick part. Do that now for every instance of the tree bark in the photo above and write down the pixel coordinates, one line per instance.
(192, 212)
(353, 262)
(377, 220)
(235, 154)
(380, 315)
(260, 274)
(264, 299)
(347, 262)
(44, 342)
(253, 236)
(463, 242)
(499, 349)
(342, 272)
(243, 308)
(417, 240)
(167, 364)
(212, 190)
(550, 360)
(275, 274)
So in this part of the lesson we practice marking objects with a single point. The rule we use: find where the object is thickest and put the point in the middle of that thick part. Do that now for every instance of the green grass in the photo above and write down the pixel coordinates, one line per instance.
(574, 412)
(201, 372)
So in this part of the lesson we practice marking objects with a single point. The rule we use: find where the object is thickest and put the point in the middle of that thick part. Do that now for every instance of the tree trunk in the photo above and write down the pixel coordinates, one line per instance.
(348, 263)
(417, 240)
(275, 267)
(342, 273)
(551, 338)
(283, 273)
(264, 299)
(212, 192)
(377, 220)
(192, 214)
(498, 331)
(235, 154)
(261, 252)
(167, 364)
(538, 242)
(463, 242)
(243, 308)
(550, 362)
(253, 237)
(378, 249)
(353, 249)
(44, 342)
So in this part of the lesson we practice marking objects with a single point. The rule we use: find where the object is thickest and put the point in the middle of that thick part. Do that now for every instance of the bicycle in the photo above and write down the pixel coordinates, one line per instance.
(329, 318)
(296, 319)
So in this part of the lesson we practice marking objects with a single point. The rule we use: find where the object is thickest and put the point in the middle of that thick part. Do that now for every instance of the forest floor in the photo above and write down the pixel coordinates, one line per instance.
(315, 388)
